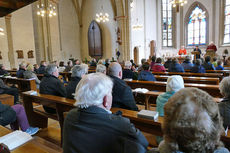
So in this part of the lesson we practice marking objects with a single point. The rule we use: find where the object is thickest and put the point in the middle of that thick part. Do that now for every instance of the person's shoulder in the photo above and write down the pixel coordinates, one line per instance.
(221, 150)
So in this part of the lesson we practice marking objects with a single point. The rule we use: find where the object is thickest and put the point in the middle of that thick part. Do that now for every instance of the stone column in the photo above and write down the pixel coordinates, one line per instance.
(10, 41)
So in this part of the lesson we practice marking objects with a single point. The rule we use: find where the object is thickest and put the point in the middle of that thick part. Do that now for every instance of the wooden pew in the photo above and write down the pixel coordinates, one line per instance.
(212, 75)
(36, 145)
(213, 90)
(7, 99)
(197, 80)
(64, 105)
(224, 72)
(153, 127)
(23, 84)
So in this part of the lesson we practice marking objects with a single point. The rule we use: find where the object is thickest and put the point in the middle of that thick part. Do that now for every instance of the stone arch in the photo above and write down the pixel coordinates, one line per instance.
(186, 19)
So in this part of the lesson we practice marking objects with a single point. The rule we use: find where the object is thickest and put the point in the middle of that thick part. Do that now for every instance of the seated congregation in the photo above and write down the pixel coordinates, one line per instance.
(91, 127)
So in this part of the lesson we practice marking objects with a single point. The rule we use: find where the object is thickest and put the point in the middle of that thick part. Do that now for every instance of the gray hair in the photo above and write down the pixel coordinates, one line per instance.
(92, 89)
(225, 87)
(114, 69)
(51, 68)
(101, 68)
(79, 70)
(22, 64)
(192, 122)
(128, 64)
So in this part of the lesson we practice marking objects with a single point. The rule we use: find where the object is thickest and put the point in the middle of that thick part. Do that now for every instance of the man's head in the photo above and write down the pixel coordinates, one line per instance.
(43, 63)
(225, 87)
(192, 122)
(115, 70)
(128, 65)
(145, 66)
(143, 60)
(79, 70)
(187, 58)
(70, 63)
(207, 59)
(159, 60)
(94, 89)
(198, 62)
(22, 65)
(101, 68)
(77, 62)
(2, 66)
(52, 70)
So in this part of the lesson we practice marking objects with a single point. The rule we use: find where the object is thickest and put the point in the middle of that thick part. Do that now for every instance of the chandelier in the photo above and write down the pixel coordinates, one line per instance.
(1, 31)
(50, 10)
(137, 26)
(102, 17)
(178, 2)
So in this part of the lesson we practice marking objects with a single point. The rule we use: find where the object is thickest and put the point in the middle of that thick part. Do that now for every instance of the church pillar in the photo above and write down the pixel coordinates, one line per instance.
(10, 41)
(47, 34)
(123, 24)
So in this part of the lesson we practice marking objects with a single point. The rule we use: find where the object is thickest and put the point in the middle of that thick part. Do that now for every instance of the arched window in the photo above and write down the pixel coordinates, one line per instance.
(196, 30)
(227, 22)
(167, 27)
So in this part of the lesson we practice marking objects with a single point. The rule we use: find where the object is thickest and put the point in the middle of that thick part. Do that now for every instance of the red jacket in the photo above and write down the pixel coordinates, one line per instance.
(158, 68)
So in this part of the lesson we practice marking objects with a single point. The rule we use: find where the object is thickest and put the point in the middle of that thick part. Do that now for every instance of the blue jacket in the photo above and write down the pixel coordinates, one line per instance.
(208, 66)
(219, 67)
(146, 76)
(198, 69)
(20, 73)
(187, 65)
(161, 100)
(176, 68)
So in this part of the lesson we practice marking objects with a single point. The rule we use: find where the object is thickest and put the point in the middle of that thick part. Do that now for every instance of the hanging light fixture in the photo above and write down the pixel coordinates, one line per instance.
(102, 17)
(50, 10)
(1, 31)
(178, 2)
(137, 26)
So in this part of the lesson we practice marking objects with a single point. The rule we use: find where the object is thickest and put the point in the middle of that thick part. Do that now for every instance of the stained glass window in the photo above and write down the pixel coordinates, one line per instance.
(197, 27)
(166, 23)
(227, 22)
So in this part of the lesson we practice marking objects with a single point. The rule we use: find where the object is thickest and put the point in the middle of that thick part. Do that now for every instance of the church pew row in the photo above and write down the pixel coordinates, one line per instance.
(162, 78)
(212, 75)
(213, 90)
(154, 127)
(23, 84)
(63, 105)
(196, 80)
(224, 72)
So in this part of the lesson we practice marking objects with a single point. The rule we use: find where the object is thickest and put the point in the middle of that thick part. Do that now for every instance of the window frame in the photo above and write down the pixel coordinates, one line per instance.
(173, 16)
(187, 19)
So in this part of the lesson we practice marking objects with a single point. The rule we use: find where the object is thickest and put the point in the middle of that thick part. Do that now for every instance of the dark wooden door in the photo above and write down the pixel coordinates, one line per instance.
(95, 40)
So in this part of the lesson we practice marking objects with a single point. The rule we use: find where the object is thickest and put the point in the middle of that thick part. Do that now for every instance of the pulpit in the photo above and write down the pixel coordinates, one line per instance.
(211, 53)
(195, 53)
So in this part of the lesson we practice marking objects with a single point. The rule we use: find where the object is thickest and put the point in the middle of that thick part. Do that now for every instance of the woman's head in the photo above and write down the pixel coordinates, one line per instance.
(174, 83)
(192, 122)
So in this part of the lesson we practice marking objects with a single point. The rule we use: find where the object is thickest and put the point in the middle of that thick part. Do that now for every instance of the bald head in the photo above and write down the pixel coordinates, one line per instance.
(115, 69)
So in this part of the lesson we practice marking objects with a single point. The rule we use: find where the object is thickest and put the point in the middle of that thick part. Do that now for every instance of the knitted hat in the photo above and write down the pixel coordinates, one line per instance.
(174, 83)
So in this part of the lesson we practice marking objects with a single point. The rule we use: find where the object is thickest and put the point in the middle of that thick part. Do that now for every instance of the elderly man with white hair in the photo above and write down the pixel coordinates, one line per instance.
(224, 105)
(78, 71)
(101, 68)
(122, 93)
(22, 69)
(127, 72)
(92, 128)
(51, 85)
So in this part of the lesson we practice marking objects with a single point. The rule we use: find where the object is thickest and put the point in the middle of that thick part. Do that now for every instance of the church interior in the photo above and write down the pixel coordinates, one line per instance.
(155, 37)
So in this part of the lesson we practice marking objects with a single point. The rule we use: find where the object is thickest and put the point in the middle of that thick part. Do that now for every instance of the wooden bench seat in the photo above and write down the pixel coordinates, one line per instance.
(7, 99)
(212, 75)
(213, 90)
(197, 80)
